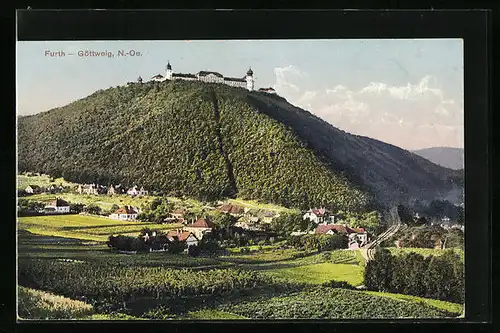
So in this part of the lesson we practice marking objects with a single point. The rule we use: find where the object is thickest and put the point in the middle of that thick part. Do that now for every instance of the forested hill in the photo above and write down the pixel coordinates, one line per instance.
(211, 141)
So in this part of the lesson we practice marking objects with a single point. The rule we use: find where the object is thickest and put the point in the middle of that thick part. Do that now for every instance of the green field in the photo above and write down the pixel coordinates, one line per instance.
(85, 227)
(43, 181)
(320, 273)
(442, 305)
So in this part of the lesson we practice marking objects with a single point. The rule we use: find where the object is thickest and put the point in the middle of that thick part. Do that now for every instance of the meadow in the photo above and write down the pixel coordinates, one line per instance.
(85, 227)
(24, 181)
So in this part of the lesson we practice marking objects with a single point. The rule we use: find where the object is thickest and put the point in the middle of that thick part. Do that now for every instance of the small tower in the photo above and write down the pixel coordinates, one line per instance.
(250, 79)
(168, 72)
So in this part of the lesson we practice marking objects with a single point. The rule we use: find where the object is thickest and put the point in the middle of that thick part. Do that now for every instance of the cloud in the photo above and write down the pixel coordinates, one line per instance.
(414, 115)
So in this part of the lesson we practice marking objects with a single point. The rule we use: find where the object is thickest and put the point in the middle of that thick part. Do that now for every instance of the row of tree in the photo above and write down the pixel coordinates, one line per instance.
(318, 242)
(438, 277)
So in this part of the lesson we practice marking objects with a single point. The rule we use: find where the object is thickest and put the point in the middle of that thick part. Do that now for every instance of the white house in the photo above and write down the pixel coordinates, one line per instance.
(135, 192)
(186, 236)
(319, 216)
(200, 227)
(126, 213)
(31, 189)
(57, 206)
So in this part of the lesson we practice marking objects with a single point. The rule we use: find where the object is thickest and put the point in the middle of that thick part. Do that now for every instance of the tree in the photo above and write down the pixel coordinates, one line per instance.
(76, 207)
(378, 272)
(405, 214)
(225, 222)
(92, 209)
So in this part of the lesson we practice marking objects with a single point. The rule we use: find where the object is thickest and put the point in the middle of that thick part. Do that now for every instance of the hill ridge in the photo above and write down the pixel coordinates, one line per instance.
(209, 141)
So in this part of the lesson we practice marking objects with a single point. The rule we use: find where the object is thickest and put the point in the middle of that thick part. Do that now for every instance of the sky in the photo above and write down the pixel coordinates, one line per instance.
(405, 92)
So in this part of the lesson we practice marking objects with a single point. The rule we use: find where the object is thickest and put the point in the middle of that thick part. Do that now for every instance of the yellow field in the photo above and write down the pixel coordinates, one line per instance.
(85, 227)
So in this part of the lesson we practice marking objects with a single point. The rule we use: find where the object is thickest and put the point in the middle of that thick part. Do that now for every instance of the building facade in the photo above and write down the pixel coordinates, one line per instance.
(245, 82)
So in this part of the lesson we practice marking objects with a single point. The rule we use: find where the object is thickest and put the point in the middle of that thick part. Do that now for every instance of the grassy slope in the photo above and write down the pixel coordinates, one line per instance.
(442, 305)
(85, 227)
(191, 147)
(36, 304)
(43, 180)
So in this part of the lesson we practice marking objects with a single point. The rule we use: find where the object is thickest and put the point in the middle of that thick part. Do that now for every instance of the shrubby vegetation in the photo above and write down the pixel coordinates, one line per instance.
(438, 277)
(158, 210)
(318, 242)
(427, 237)
(333, 303)
(105, 284)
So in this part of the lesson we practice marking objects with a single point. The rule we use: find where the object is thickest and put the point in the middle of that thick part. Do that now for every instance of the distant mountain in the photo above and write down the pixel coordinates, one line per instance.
(452, 158)
(212, 141)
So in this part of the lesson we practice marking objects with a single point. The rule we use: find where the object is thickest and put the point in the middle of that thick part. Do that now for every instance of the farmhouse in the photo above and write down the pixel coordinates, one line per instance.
(135, 192)
(93, 189)
(118, 189)
(178, 214)
(126, 213)
(183, 236)
(200, 227)
(57, 206)
(232, 210)
(357, 236)
(32, 189)
(319, 216)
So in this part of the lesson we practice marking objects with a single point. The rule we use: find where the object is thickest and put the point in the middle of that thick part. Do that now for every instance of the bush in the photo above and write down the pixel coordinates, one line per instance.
(194, 250)
(437, 277)
(338, 284)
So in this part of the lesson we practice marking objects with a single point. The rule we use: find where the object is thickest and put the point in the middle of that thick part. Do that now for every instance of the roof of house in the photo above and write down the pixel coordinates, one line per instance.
(266, 89)
(337, 228)
(33, 186)
(234, 79)
(182, 235)
(202, 223)
(318, 211)
(126, 210)
(158, 76)
(57, 203)
(179, 211)
(205, 73)
(232, 209)
(184, 75)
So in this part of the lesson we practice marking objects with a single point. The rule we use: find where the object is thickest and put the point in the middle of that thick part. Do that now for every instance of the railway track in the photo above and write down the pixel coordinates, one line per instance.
(370, 248)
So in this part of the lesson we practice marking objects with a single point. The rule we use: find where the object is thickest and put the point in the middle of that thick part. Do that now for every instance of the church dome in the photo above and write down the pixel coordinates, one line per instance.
(250, 72)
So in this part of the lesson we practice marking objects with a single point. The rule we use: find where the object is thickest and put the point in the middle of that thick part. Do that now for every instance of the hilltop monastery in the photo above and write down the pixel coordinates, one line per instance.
(246, 82)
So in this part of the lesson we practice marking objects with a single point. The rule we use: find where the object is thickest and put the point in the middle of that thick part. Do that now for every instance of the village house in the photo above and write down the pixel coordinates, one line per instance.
(118, 189)
(267, 216)
(178, 214)
(248, 223)
(33, 189)
(319, 216)
(183, 236)
(233, 210)
(358, 237)
(91, 189)
(126, 213)
(200, 227)
(135, 192)
(58, 206)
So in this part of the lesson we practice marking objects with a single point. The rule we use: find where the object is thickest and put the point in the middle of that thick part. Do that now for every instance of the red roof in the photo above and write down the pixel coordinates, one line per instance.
(319, 211)
(126, 210)
(182, 236)
(338, 228)
(202, 223)
(232, 209)
(323, 229)
(58, 203)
